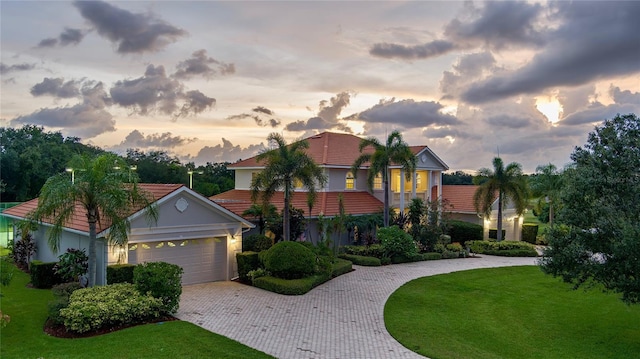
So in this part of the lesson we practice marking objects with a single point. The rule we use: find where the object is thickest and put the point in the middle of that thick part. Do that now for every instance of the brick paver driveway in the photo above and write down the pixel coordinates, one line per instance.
(339, 319)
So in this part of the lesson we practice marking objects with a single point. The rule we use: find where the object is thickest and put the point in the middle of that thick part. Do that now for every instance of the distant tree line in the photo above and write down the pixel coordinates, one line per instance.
(30, 155)
(457, 177)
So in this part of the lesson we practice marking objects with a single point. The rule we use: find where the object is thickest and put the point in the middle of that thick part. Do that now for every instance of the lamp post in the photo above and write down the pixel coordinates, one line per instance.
(191, 177)
(73, 174)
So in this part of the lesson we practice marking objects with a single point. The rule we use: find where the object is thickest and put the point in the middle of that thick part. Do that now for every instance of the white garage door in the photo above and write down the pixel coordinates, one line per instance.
(203, 260)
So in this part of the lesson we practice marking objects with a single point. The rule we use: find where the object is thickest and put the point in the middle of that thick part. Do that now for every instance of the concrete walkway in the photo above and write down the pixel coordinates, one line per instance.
(339, 319)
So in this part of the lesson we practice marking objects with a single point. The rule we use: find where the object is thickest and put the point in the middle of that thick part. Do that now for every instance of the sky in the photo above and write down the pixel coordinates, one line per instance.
(207, 81)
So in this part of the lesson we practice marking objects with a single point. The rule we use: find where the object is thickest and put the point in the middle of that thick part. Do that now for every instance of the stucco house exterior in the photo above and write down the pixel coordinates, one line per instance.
(192, 232)
(335, 153)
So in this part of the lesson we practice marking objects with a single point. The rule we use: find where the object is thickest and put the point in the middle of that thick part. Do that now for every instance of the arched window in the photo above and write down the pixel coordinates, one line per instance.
(349, 181)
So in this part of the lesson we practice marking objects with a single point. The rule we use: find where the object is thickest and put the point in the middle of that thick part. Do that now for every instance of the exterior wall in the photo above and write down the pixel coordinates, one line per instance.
(337, 179)
(243, 178)
(466, 217)
(511, 224)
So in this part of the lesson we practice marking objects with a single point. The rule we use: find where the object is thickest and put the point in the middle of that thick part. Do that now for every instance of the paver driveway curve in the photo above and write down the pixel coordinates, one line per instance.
(339, 319)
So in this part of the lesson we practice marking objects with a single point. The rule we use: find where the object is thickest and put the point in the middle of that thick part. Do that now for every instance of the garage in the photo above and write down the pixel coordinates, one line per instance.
(203, 259)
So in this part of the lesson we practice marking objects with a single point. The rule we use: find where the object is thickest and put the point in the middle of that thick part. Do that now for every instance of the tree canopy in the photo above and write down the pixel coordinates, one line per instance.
(599, 239)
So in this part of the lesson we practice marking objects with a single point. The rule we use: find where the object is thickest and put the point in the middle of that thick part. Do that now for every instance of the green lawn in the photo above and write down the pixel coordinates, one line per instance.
(23, 336)
(512, 312)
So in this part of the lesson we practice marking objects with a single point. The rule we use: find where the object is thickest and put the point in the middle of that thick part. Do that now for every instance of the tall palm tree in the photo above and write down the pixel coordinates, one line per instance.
(262, 213)
(509, 183)
(283, 166)
(394, 152)
(547, 183)
(100, 187)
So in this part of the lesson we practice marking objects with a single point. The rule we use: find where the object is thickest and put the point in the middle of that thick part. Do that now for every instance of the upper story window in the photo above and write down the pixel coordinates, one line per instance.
(297, 184)
(349, 182)
(377, 181)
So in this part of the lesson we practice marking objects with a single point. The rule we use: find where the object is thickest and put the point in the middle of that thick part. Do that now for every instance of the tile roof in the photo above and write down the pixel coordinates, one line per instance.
(328, 149)
(78, 220)
(458, 196)
(355, 202)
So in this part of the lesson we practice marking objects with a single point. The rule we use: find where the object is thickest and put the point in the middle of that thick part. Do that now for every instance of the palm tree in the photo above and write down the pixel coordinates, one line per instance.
(283, 166)
(262, 213)
(100, 187)
(395, 152)
(508, 183)
(547, 183)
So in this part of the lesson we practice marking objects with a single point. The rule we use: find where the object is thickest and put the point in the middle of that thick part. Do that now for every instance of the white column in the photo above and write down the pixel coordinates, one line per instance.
(401, 191)
(414, 184)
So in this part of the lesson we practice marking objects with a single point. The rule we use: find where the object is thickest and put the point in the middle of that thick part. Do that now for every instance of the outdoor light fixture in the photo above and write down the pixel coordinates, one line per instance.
(73, 174)
(191, 177)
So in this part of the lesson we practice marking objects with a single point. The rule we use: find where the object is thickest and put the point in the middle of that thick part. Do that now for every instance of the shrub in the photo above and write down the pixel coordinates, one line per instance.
(110, 305)
(454, 247)
(340, 267)
(64, 290)
(22, 251)
(529, 233)
(6, 271)
(462, 232)
(374, 250)
(43, 276)
(286, 286)
(396, 242)
(61, 294)
(431, 256)
(72, 264)
(401, 258)
(447, 254)
(163, 281)
(289, 260)
(362, 260)
(257, 273)
(247, 262)
(504, 248)
(120, 273)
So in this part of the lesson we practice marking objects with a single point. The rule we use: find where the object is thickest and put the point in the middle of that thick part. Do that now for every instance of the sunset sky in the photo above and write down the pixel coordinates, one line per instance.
(208, 81)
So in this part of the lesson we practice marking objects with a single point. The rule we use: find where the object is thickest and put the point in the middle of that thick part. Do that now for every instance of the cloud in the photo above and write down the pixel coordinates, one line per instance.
(467, 70)
(137, 139)
(201, 65)
(574, 99)
(408, 114)
(571, 58)
(625, 97)
(131, 32)
(68, 37)
(257, 116)
(327, 117)
(597, 112)
(56, 87)
(226, 152)
(5, 69)
(156, 92)
(497, 25)
(424, 51)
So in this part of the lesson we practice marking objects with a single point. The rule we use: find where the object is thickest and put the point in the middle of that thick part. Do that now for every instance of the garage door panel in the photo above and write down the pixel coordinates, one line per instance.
(203, 260)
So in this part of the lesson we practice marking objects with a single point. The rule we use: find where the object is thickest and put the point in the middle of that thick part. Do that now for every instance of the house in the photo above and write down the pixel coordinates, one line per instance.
(192, 232)
(459, 199)
(335, 153)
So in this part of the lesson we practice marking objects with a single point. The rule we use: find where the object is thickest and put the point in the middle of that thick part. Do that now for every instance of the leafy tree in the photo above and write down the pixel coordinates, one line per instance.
(296, 228)
(457, 178)
(394, 152)
(157, 167)
(546, 184)
(509, 183)
(598, 240)
(284, 166)
(262, 213)
(105, 195)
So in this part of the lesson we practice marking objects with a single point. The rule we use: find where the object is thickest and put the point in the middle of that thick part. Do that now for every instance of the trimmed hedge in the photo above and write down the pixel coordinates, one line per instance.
(403, 258)
(43, 276)
(462, 232)
(431, 256)
(374, 250)
(362, 260)
(529, 233)
(247, 262)
(256, 243)
(289, 286)
(120, 273)
(504, 248)
(397, 243)
(340, 267)
(493, 234)
(163, 281)
(289, 260)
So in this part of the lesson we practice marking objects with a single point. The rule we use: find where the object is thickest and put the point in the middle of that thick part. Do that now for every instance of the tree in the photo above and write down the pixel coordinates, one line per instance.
(103, 192)
(598, 239)
(262, 213)
(283, 166)
(457, 178)
(547, 183)
(394, 152)
(509, 183)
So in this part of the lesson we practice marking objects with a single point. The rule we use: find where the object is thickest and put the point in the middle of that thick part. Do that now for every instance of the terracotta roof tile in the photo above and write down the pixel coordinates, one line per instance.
(459, 196)
(78, 220)
(237, 201)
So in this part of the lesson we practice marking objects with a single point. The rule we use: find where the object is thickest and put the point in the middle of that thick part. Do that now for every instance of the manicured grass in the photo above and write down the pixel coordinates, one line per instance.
(512, 312)
(23, 336)
(530, 218)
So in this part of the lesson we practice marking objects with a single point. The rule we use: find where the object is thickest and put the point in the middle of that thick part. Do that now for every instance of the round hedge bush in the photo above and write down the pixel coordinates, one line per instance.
(290, 260)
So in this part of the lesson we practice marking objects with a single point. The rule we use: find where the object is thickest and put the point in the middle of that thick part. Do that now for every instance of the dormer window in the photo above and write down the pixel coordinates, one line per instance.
(349, 182)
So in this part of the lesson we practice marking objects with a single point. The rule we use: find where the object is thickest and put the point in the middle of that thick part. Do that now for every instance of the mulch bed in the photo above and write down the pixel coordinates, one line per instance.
(60, 330)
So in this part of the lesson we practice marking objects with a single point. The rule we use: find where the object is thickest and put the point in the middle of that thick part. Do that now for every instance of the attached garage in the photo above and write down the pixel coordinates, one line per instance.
(203, 260)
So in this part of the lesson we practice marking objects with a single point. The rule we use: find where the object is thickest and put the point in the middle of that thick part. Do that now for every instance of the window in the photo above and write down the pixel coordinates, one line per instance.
(297, 183)
(377, 181)
(349, 181)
